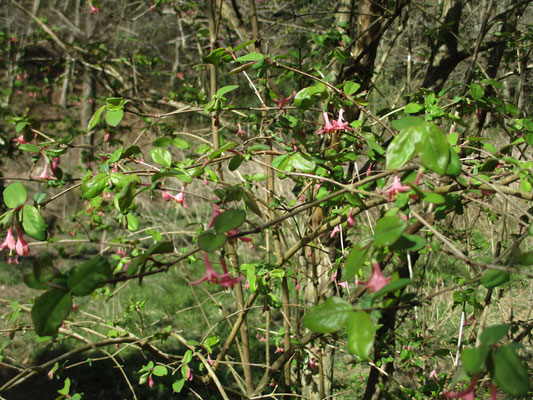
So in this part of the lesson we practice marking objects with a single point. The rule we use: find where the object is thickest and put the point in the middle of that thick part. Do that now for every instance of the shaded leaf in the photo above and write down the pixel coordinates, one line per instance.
(354, 261)
(509, 372)
(88, 276)
(49, 311)
(229, 220)
(210, 241)
(494, 278)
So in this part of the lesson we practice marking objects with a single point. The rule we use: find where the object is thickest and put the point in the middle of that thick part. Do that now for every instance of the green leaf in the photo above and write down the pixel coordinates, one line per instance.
(303, 163)
(124, 199)
(33, 223)
(92, 187)
(432, 147)
(116, 155)
(226, 89)
(494, 278)
(178, 385)
(351, 87)
(434, 198)
(49, 311)
(361, 334)
(181, 143)
(161, 156)
(133, 222)
(354, 261)
(406, 122)
(161, 248)
(210, 241)
(525, 258)
(15, 195)
(329, 316)
(114, 103)
(161, 142)
(95, 118)
(66, 388)
(113, 117)
(250, 57)
(120, 180)
(160, 370)
(303, 100)
(409, 243)
(509, 372)
(388, 230)
(401, 149)
(474, 359)
(251, 204)
(29, 147)
(235, 162)
(229, 220)
(493, 334)
(88, 276)
(454, 166)
(477, 91)
(43, 269)
(413, 108)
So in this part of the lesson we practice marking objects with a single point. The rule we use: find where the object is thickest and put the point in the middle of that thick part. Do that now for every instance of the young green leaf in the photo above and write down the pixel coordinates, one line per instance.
(33, 223)
(388, 230)
(15, 195)
(354, 261)
(361, 334)
(401, 149)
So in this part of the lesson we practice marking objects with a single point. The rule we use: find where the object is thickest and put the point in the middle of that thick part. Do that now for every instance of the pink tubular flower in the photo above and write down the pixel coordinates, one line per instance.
(216, 211)
(9, 241)
(349, 221)
(240, 132)
(433, 374)
(94, 10)
(211, 275)
(335, 230)
(377, 280)
(54, 164)
(20, 140)
(179, 198)
(283, 102)
(150, 379)
(278, 350)
(340, 125)
(21, 246)
(328, 127)
(467, 394)
(189, 375)
(395, 188)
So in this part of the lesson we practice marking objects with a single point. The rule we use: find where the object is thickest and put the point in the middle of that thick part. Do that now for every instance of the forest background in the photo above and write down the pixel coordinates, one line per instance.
(266, 199)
